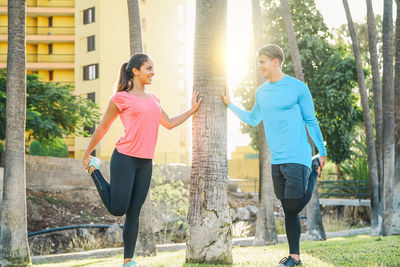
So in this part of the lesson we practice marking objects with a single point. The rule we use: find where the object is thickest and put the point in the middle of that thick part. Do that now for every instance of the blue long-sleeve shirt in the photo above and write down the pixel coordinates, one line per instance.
(285, 107)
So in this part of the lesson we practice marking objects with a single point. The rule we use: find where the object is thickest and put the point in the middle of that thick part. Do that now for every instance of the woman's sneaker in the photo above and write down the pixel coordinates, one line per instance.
(95, 162)
(132, 263)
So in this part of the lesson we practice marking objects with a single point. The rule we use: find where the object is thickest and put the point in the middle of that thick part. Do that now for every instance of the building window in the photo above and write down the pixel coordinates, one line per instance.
(50, 21)
(181, 59)
(88, 15)
(51, 75)
(90, 43)
(144, 24)
(181, 17)
(181, 35)
(90, 72)
(90, 130)
(50, 49)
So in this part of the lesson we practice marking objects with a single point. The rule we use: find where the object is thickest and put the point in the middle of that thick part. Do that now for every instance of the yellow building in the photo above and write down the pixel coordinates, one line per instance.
(85, 42)
(244, 168)
(50, 30)
(103, 26)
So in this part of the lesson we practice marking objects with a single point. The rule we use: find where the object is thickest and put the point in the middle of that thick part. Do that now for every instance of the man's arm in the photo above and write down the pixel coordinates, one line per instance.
(253, 118)
(308, 113)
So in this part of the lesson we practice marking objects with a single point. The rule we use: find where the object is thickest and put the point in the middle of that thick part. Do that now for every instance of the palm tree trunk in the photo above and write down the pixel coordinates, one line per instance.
(14, 250)
(376, 185)
(396, 187)
(135, 31)
(315, 228)
(294, 49)
(209, 223)
(265, 225)
(372, 163)
(388, 115)
(146, 242)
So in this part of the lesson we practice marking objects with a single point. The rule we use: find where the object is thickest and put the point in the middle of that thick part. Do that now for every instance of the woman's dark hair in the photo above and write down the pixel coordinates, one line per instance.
(125, 79)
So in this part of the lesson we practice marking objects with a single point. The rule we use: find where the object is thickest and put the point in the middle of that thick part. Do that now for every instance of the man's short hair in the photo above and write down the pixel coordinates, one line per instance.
(272, 51)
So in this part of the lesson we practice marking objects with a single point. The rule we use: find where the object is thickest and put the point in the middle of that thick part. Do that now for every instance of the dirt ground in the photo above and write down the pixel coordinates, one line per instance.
(49, 210)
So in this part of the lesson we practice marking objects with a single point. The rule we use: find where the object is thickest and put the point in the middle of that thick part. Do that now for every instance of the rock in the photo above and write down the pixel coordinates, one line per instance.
(252, 210)
(242, 214)
(114, 234)
(233, 214)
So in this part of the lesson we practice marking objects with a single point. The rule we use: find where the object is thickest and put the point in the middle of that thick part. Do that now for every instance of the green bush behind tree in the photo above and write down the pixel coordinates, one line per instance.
(53, 148)
(52, 112)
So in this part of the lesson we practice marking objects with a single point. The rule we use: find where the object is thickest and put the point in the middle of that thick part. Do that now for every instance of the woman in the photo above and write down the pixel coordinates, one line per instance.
(131, 161)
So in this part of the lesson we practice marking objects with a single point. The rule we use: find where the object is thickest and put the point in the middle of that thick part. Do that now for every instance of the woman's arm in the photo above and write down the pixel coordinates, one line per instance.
(175, 121)
(105, 124)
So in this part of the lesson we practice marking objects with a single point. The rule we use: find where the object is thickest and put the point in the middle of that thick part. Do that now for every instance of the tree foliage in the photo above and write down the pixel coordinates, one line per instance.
(329, 72)
(54, 147)
(51, 110)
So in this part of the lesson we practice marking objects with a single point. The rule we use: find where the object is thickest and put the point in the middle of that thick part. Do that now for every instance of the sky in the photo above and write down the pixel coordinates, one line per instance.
(239, 38)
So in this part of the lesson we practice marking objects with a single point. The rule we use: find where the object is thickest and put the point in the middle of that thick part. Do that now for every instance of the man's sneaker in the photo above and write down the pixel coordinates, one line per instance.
(289, 261)
(95, 162)
(132, 263)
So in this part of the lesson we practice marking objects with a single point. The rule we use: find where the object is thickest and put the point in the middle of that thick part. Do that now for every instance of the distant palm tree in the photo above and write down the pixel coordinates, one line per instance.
(396, 185)
(315, 228)
(14, 250)
(146, 242)
(376, 184)
(209, 222)
(372, 162)
(265, 225)
(388, 115)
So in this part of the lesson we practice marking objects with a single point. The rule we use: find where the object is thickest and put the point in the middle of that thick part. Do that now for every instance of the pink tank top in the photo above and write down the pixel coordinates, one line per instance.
(141, 119)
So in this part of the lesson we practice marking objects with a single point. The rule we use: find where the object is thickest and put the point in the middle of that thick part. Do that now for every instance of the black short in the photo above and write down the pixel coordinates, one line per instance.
(290, 180)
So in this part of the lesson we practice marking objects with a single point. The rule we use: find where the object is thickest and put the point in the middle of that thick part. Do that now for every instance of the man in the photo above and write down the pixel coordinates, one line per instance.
(285, 106)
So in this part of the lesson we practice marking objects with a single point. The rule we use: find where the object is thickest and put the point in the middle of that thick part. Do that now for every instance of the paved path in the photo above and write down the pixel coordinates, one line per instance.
(237, 242)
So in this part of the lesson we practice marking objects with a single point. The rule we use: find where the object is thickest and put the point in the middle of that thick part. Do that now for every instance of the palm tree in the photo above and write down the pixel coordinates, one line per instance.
(388, 115)
(265, 224)
(396, 187)
(315, 228)
(135, 31)
(372, 162)
(209, 222)
(146, 243)
(376, 185)
(14, 250)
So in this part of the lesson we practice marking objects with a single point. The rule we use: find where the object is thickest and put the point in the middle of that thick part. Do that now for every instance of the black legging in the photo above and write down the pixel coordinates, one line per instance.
(292, 207)
(126, 193)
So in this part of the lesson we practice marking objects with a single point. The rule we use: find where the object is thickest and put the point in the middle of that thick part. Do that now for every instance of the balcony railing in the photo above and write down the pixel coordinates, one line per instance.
(44, 58)
(45, 3)
(44, 30)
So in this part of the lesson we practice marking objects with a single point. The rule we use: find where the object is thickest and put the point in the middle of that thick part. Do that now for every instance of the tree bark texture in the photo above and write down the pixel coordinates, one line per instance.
(388, 115)
(209, 222)
(372, 163)
(396, 187)
(135, 30)
(14, 250)
(375, 185)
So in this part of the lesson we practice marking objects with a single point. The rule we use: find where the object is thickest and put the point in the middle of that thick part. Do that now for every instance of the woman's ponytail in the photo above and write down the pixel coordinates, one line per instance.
(125, 80)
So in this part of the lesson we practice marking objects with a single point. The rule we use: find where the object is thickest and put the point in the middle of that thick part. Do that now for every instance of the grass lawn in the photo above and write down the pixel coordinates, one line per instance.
(343, 251)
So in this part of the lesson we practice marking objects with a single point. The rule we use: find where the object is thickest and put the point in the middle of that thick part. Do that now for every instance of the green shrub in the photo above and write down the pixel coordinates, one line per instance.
(170, 202)
(52, 148)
